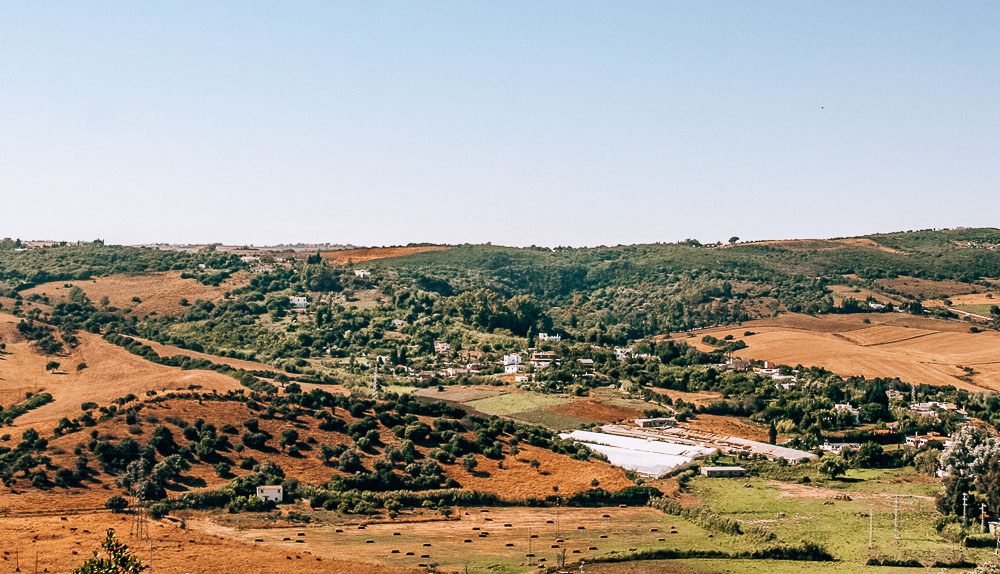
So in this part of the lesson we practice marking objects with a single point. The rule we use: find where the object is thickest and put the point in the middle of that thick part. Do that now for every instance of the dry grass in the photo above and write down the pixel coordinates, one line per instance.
(111, 373)
(915, 349)
(159, 293)
(517, 479)
(926, 288)
(992, 298)
(346, 256)
(884, 334)
(170, 351)
(822, 244)
(697, 399)
(62, 543)
(841, 292)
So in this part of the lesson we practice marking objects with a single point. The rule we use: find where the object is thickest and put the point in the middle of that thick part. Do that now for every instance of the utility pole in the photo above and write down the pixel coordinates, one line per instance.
(982, 516)
(965, 508)
(375, 381)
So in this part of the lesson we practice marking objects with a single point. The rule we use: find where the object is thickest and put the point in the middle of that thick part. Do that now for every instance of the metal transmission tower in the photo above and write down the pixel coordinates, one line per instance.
(140, 514)
(375, 381)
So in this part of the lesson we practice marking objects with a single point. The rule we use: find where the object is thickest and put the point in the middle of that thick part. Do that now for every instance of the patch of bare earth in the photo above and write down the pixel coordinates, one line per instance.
(596, 411)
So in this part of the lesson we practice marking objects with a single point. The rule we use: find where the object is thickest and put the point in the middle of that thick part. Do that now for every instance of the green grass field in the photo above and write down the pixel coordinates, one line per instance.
(808, 511)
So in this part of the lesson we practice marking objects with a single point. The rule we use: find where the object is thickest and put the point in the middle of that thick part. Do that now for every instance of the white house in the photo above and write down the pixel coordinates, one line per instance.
(398, 322)
(549, 338)
(622, 353)
(273, 493)
(514, 359)
(249, 258)
(918, 441)
(440, 347)
(362, 273)
(298, 302)
(512, 369)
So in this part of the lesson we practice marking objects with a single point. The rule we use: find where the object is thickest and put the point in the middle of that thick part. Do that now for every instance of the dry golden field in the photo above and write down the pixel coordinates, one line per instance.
(915, 349)
(111, 373)
(62, 541)
(159, 293)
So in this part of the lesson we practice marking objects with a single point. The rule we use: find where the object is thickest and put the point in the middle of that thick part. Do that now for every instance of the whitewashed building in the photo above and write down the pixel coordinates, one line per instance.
(274, 493)
(298, 302)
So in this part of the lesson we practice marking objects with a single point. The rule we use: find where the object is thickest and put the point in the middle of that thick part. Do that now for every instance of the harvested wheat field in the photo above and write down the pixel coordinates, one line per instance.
(110, 373)
(62, 542)
(158, 293)
(991, 298)
(496, 539)
(346, 256)
(914, 349)
(518, 479)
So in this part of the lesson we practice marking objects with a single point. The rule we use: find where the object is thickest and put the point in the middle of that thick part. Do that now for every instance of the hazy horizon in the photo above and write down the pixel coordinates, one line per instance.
(550, 124)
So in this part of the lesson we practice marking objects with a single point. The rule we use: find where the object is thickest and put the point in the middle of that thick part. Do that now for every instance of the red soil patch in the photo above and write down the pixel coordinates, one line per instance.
(596, 411)
(346, 256)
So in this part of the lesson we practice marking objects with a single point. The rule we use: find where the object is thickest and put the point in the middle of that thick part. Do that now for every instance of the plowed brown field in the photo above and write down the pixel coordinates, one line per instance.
(345, 256)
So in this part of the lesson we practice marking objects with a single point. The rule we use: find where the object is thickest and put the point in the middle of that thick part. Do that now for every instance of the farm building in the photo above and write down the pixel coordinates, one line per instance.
(722, 471)
(273, 493)
(362, 273)
(918, 441)
(542, 359)
(656, 423)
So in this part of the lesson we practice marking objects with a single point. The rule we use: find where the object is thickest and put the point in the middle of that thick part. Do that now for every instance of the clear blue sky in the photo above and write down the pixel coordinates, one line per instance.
(549, 123)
